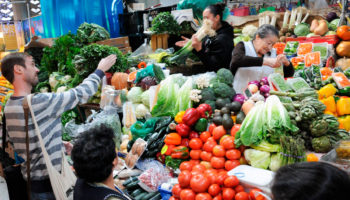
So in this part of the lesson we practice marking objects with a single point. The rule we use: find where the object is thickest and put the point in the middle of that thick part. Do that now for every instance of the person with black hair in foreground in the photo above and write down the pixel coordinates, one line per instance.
(215, 52)
(311, 181)
(94, 156)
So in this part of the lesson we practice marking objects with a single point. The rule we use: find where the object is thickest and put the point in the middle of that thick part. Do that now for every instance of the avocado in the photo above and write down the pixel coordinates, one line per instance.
(220, 102)
(236, 107)
(225, 110)
(217, 120)
(227, 121)
(240, 117)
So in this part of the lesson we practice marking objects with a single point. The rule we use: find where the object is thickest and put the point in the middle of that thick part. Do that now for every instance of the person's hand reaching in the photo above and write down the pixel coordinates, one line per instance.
(283, 59)
(106, 63)
(272, 62)
(183, 42)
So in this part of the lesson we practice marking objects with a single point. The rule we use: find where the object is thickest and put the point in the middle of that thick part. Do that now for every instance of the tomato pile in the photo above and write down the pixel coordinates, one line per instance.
(205, 177)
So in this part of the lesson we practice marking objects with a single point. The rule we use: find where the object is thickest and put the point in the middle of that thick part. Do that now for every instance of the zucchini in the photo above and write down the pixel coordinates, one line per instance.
(149, 195)
(137, 192)
(129, 180)
(140, 196)
(156, 197)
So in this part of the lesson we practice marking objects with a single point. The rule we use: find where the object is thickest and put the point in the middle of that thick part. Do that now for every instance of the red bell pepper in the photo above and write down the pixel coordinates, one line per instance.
(160, 157)
(204, 110)
(191, 116)
(185, 142)
(180, 152)
(183, 130)
(193, 134)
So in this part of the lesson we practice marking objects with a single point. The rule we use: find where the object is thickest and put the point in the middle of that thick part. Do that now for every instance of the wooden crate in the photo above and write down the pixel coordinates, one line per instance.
(121, 42)
(159, 41)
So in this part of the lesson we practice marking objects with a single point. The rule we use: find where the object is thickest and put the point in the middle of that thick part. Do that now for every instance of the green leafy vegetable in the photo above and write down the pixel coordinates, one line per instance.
(183, 96)
(258, 159)
(134, 95)
(266, 146)
(302, 29)
(88, 33)
(276, 162)
(164, 22)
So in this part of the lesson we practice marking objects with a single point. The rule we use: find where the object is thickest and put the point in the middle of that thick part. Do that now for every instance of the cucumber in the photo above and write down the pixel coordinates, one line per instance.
(156, 197)
(129, 180)
(150, 195)
(140, 196)
(132, 185)
(137, 192)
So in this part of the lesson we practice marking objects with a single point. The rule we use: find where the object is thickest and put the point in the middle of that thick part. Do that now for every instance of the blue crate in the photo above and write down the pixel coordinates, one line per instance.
(166, 194)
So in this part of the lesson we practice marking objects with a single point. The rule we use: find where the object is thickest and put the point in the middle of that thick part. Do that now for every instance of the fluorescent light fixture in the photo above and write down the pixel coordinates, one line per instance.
(1, 35)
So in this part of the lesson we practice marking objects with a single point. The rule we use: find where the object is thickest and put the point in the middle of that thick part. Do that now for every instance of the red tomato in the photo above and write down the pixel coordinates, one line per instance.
(239, 188)
(217, 162)
(235, 129)
(193, 173)
(196, 144)
(204, 136)
(228, 194)
(193, 134)
(210, 171)
(195, 154)
(184, 178)
(185, 142)
(194, 162)
(254, 195)
(176, 190)
(214, 190)
(231, 181)
(206, 156)
(200, 168)
(209, 145)
(218, 197)
(187, 165)
(211, 128)
(218, 132)
(206, 164)
(199, 183)
(187, 194)
(203, 196)
(219, 151)
(221, 178)
(231, 164)
(233, 154)
(228, 142)
(242, 196)
(173, 198)
(211, 139)
(211, 176)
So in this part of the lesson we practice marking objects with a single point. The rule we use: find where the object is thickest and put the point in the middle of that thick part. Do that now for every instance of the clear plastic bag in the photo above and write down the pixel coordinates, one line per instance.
(152, 178)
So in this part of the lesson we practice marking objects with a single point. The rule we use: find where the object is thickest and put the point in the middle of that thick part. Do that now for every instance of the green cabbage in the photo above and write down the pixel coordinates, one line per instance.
(266, 146)
(258, 159)
(334, 24)
(331, 33)
(183, 96)
(302, 29)
(276, 162)
(145, 98)
(134, 95)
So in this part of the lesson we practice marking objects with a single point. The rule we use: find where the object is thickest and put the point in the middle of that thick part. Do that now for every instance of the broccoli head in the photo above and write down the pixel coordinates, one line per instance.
(223, 90)
(208, 94)
(321, 144)
(225, 76)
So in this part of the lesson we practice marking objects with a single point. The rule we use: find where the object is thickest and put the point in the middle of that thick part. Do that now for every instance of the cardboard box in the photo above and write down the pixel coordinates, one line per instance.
(120, 42)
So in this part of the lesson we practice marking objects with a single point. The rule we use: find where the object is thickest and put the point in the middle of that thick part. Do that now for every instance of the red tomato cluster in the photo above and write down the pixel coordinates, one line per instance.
(205, 176)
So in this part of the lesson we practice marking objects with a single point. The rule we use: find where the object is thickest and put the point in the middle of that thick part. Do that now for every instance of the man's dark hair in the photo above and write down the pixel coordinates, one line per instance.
(310, 181)
(8, 63)
(93, 154)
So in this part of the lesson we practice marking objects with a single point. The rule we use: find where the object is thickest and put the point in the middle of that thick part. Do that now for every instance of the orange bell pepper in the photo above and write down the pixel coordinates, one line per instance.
(172, 139)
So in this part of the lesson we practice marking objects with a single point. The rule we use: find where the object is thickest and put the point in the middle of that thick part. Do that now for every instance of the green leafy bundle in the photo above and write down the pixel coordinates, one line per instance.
(89, 57)
(164, 22)
(88, 33)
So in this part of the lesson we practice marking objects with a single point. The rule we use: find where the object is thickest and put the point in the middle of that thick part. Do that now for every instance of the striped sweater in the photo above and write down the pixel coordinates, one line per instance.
(48, 108)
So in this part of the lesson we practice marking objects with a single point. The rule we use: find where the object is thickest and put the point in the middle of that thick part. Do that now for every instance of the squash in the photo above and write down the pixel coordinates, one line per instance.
(314, 25)
(119, 80)
(343, 32)
(247, 106)
(343, 49)
(322, 28)
(343, 63)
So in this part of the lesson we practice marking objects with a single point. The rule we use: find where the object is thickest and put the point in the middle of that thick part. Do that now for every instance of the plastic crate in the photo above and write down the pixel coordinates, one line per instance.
(242, 11)
(330, 39)
(166, 194)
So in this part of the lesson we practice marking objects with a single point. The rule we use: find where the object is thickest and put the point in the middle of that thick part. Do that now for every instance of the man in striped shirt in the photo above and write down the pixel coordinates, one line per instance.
(20, 70)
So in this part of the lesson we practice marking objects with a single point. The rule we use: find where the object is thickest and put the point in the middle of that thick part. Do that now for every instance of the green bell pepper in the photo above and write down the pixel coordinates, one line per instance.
(344, 92)
(201, 125)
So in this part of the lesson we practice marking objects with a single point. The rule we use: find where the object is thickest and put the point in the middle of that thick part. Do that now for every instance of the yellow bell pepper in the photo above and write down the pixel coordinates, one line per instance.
(344, 122)
(329, 102)
(327, 91)
(343, 106)
(178, 117)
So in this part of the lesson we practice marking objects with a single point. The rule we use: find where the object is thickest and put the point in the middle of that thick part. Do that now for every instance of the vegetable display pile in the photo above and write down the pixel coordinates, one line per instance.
(88, 33)
(164, 22)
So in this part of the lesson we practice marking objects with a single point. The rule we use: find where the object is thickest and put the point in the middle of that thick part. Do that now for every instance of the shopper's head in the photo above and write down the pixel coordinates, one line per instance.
(214, 13)
(264, 38)
(94, 154)
(310, 181)
(20, 67)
